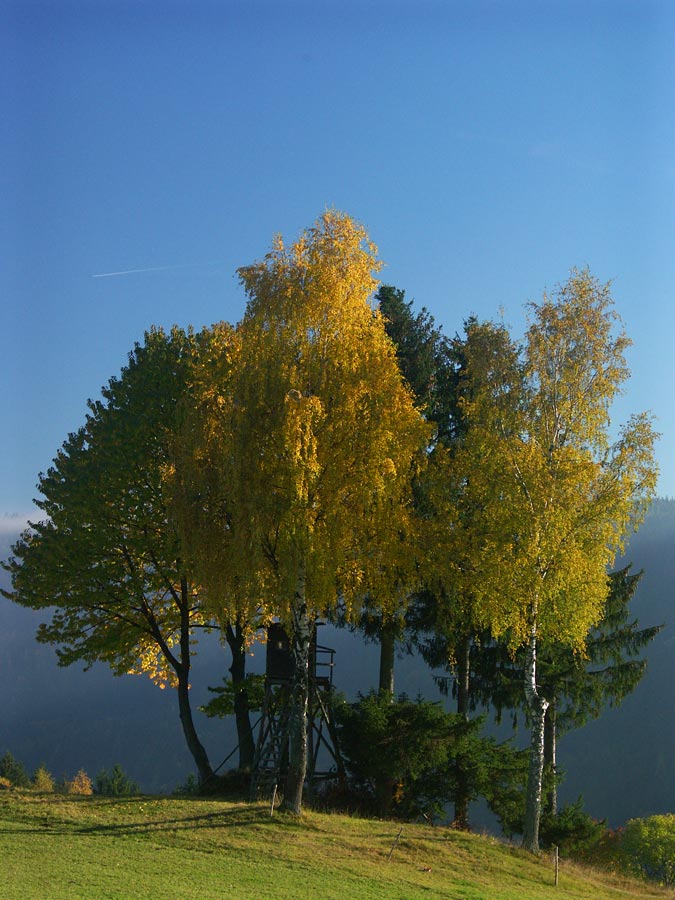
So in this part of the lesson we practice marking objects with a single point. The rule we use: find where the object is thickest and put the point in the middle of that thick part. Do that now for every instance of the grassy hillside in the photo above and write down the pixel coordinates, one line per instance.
(97, 848)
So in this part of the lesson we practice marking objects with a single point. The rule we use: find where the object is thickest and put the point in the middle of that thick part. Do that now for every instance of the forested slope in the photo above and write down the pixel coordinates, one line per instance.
(623, 762)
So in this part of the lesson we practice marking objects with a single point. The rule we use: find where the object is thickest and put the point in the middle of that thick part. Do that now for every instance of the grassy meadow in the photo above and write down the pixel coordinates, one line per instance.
(55, 847)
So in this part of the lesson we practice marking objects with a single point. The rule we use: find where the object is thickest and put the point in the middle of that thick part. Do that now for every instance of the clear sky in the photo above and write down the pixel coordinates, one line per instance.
(488, 147)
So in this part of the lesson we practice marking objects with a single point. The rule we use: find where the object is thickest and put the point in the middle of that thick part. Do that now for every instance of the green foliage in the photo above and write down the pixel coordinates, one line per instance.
(402, 756)
(106, 558)
(115, 783)
(425, 357)
(188, 788)
(13, 771)
(43, 780)
(389, 747)
(223, 704)
(572, 830)
(503, 784)
(648, 848)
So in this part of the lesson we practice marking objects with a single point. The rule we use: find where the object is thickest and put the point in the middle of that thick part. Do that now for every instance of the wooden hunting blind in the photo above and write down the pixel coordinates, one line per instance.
(279, 661)
(270, 761)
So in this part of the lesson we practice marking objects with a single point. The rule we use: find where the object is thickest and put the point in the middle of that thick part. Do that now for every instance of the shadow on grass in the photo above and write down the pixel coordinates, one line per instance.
(227, 818)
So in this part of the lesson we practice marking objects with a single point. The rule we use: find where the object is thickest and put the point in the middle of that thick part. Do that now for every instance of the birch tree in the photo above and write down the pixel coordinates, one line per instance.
(320, 445)
(544, 490)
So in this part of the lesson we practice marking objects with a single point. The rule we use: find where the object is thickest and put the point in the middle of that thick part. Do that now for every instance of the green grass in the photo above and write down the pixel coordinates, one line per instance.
(149, 848)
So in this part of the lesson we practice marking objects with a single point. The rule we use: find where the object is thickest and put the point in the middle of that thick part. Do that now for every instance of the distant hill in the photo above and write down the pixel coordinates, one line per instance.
(66, 718)
(623, 762)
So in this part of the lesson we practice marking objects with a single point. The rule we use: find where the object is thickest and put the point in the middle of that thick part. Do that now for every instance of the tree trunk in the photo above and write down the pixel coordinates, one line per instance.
(384, 788)
(550, 740)
(537, 706)
(194, 744)
(461, 819)
(183, 673)
(387, 654)
(297, 757)
(237, 644)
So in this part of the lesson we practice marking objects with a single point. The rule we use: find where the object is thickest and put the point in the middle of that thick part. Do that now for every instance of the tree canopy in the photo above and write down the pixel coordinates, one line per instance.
(316, 448)
(543, 492)
(106, 557)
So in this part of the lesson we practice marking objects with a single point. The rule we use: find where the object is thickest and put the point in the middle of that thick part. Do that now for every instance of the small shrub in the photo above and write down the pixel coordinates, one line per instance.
(572, 830)
(13, 771)
(234, 784)
(608, 854)
(648, 848)
(115, 783)
(503, 783)
(189, 788)
(80, 784)
(400, 755)
(43, 780)
(5, 783)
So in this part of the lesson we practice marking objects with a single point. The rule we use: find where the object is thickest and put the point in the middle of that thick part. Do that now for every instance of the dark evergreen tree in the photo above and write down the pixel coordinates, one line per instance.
(448, 642)
(432, 365)
(115, 783)
(425, 358)
(13, 771)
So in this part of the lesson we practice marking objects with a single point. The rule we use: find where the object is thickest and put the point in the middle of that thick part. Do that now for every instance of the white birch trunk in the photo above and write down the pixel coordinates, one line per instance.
(550, 761)
(537, 707)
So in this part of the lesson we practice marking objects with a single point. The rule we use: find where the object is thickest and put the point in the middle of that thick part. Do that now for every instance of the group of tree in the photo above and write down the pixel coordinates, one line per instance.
(335, 456)
(14, 775)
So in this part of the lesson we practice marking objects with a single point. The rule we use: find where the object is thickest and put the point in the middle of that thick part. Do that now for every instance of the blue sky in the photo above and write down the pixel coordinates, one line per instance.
(487, 147)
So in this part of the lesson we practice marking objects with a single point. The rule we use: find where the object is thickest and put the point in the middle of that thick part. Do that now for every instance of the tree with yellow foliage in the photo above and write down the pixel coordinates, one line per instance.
(539, 492)
(318, 437)
(199, 483)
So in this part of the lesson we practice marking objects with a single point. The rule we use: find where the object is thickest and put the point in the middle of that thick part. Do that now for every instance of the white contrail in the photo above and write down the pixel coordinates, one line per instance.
(154, 269)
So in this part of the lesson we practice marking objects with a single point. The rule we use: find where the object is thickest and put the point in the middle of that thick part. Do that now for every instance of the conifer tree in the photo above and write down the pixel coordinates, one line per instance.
(13, 771)
(424, 357)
